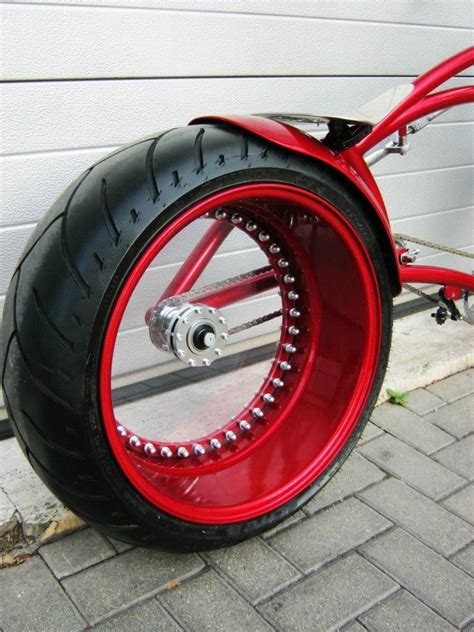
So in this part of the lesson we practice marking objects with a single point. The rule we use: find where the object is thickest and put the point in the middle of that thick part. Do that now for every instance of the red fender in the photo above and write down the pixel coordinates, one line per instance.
(350, 164)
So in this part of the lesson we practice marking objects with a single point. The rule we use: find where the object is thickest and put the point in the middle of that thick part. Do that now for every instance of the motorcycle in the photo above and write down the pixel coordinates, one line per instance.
(197, 331)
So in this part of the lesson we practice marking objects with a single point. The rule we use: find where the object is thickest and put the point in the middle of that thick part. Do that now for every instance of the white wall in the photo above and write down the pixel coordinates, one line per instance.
(83, 76)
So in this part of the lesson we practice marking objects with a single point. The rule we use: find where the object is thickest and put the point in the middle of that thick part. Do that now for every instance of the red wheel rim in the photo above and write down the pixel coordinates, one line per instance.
(338, 348)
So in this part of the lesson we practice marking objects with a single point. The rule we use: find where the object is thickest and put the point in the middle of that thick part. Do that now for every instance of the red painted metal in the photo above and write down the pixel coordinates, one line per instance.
(196, 263)
(334, 371)
(414, 106)
(238, 291)
(437, 276)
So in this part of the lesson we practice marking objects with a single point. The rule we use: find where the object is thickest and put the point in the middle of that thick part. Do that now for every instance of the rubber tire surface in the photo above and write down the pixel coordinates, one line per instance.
(62, 292)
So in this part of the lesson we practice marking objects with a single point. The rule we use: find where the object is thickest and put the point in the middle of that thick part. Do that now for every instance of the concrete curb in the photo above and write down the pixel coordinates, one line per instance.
(30, 516)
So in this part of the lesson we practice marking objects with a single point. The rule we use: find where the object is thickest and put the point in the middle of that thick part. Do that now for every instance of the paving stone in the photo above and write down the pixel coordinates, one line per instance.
(254, 568)
(462, 503)
(288, 522)
(10, 530)
(330, 598)
(354, 626)
(146, 617)
(119, 546)
(404, 612)
(76, 552)
(415, 468)
(417, 514)
(121, 580)
(334, 531)
(421, 401)
(454, 386)
(436, 581)
(370, 432)
(411, 428)
(208, 603)
(465, 559)
(31, 599)
(459, 457)
(356, 474)
(457, 419)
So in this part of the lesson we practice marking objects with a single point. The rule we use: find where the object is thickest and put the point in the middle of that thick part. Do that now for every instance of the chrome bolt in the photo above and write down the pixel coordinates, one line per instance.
(182, 452)
(121, 430)
(236, 219)
(134, 441)
(198, 310)
(268, 398)
(274, 249)
(149, 448)
(166, 452)
(294, 331)
(290, 348)
(206, 362)
(222, 320)
(230, 436)
(224, 336)
(277, 383)
(282, 263)
(285, 366)
(191, 362)
(257, 412)
(244, 425)
(218, 352)
(181, 353)
(250, 226)
(215, 443)
(292, 296)
(220, 214)
(179, 337)
(294, 313)
(264, 236)
(288, 278)
(198, 449)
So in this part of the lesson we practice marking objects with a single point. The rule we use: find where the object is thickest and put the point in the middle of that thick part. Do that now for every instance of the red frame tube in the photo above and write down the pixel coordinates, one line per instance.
(436, 276)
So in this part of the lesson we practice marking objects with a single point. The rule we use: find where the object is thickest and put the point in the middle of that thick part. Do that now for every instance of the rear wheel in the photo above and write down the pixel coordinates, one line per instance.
(199, 403)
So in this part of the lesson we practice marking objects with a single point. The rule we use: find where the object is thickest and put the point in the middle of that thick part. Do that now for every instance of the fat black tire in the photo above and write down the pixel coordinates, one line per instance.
(64, 287)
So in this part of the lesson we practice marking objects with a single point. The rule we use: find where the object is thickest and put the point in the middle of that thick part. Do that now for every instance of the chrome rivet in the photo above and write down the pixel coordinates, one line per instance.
(182, 452)
(250, 226)
(149, 448)
(264, 236)
(285, 366)
(274, 249)
(166, 452)
(236, 218)
(218, 352)
(244, 425)
(121, 430)
(292, 296)
(224, 336)
(198, 449)
(192, 362)
(198, 310)
(277, 383)
(230, 436)
(181, 353)
(257, 412)
(206, 362)
(290, 348)
(134, 441)
(222, 320)
(179, 337)
(212, 310)
(220, 214)
(282, 263)
(294, 331)
(268, 398)
(215, 443)
(294, 313)
(288, 279)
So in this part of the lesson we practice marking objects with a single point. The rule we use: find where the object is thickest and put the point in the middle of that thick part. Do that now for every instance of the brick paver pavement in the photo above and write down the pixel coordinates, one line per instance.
(387, 545)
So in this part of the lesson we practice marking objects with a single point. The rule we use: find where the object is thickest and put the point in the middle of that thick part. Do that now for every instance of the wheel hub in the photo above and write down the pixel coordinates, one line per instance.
(196, 334)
